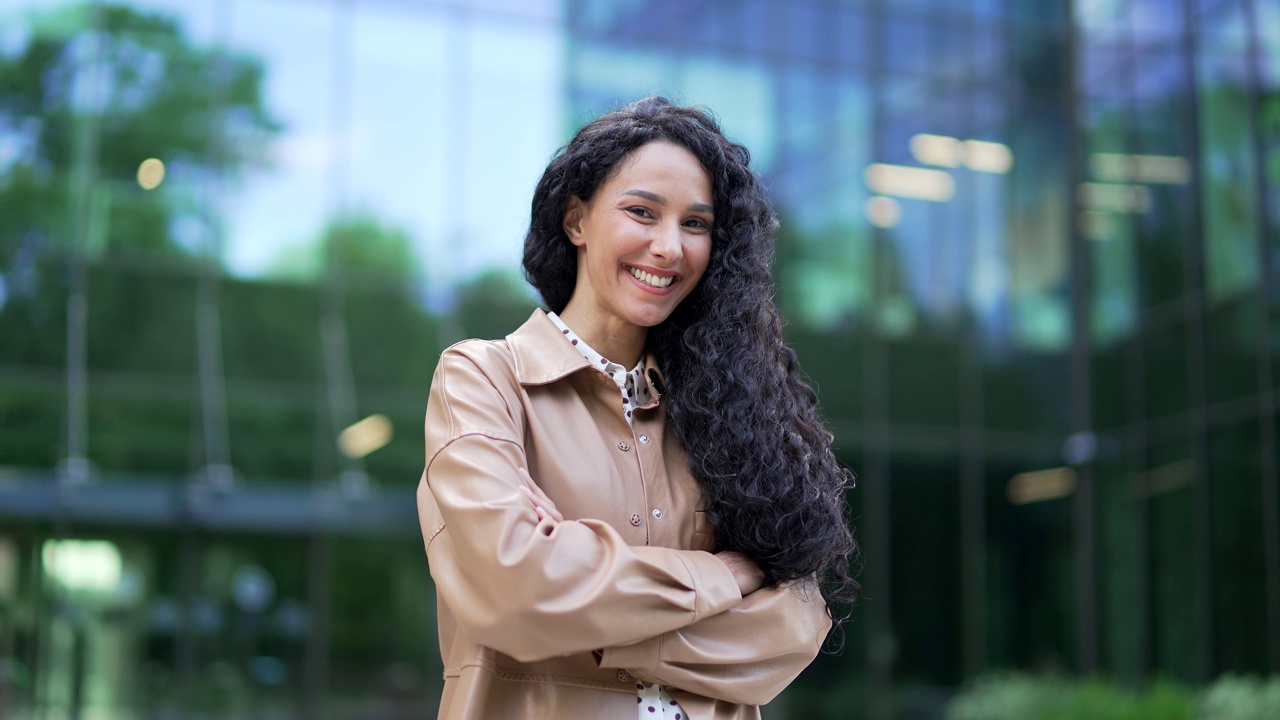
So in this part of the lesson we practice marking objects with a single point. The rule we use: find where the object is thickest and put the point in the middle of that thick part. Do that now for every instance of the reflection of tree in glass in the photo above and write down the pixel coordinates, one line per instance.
(104, 88)
(88, 93)
(361, 248)
(492, 305)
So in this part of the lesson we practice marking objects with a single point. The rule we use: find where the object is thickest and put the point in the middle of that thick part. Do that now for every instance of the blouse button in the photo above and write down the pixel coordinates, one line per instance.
(644, 438)
(657, 513)
(635, 518)
(624, 676)
(623, 445)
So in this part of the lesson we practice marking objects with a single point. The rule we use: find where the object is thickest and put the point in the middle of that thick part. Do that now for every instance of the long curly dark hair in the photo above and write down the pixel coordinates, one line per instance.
(736, 400)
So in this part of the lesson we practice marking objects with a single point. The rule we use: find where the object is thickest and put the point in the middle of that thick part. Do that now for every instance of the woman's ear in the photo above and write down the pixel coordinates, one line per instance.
(574, 211)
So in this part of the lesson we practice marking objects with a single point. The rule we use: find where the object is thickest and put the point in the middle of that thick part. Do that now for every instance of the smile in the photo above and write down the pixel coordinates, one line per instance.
(651, 279)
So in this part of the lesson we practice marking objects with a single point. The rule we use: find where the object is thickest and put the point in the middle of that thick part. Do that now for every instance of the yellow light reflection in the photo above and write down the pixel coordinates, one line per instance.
(910, 182)
(883, 212)
(8, 569)
(92, 565)
(1040, 485)
(936, 150)
(1114, 197)
(1154, 169)
(945, 151)
(150, 174)
(1167, 478)
(984, 156)
(365, 436)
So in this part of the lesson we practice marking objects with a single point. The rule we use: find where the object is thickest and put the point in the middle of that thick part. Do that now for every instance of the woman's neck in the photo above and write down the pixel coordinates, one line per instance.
(617, 341)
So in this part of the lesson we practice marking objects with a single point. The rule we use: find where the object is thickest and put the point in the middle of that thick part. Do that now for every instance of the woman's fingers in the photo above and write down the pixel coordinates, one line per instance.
(539, 499)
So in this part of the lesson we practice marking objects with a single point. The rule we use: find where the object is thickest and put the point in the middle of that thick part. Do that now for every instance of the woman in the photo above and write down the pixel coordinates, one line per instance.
(630, 504)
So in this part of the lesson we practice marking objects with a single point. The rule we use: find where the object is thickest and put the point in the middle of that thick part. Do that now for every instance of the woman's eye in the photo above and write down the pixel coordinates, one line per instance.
(640, 212)
(696, 224)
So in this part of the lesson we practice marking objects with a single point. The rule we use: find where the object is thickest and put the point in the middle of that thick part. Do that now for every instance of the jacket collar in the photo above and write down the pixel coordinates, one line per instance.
(542, 356)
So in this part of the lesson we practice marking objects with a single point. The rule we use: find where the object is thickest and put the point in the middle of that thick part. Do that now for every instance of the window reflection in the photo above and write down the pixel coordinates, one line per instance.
(344, 193)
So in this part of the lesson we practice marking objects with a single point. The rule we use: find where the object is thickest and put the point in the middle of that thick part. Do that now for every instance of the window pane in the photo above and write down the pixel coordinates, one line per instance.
(1121, 569)
(1169, 483)
(1026, 392)
(1239, 599)
(924, 380)
(1165, 367)
(925, 537)
(1229, 186)
(1233, 343)
(1030, 569)
(295, 42)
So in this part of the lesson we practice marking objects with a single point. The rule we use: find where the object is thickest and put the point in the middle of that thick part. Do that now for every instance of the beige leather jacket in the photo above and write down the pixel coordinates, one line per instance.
(559, 620)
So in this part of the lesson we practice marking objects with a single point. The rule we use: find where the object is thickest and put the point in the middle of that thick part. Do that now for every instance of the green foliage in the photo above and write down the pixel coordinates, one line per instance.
(1016, 696)
(492, 306)
(97, 89)
(1235, 697)
(1008, 696)
(363, 248)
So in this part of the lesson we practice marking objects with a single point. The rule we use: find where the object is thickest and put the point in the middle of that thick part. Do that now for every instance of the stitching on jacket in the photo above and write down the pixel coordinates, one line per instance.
(693, 582)
(571, 680)
(465, 434)
(439, 528)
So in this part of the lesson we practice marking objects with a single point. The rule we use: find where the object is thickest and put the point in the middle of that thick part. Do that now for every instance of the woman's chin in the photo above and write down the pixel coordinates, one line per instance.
(649, 317)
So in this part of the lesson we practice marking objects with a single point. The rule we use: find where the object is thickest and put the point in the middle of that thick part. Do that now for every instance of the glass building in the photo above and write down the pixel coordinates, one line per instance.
(1029, 257)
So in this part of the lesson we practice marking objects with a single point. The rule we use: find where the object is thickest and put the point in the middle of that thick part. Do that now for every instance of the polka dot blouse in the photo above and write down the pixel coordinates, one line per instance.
(652, 701)
(631, 382)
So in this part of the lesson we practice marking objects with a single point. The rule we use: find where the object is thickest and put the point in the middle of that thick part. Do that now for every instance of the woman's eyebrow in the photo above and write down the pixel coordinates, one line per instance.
(654, 197)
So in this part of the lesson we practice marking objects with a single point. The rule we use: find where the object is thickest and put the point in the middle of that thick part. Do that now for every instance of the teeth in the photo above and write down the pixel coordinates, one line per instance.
(651, 279)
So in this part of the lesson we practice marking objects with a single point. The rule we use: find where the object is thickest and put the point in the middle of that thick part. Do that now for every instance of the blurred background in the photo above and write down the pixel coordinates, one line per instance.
(1028, 255)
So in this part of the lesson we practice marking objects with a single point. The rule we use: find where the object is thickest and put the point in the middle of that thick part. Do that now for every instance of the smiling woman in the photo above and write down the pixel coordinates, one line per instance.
(644, 241)
(630, 503)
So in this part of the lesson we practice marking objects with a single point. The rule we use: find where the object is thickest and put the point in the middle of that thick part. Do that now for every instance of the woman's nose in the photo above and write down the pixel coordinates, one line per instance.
(666, 242)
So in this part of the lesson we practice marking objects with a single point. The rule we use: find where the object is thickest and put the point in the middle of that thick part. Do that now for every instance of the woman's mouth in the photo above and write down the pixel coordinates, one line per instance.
(650, 279)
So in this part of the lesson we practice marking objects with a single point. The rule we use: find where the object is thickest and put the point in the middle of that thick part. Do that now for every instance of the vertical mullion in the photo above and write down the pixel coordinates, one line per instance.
(1266, 381)
(1138, 432)
(1081, 382)
(973, 520)
(1194, 304)
(880, 640)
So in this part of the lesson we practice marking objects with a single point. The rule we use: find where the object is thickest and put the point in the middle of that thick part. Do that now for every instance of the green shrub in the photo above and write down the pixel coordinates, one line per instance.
(1008, 696)
(1016, 696)
(1235, 697)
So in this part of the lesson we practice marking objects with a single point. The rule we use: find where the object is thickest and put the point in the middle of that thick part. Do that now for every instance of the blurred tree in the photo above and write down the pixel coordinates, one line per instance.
(100, 88)
(87, 94)
(492, 305)
(362, 247)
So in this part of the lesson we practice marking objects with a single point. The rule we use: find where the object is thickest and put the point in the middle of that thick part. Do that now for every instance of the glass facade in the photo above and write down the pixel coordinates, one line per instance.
(1028, 255)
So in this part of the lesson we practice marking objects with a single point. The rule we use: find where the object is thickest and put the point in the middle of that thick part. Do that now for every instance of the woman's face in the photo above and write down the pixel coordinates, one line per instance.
(644, 239)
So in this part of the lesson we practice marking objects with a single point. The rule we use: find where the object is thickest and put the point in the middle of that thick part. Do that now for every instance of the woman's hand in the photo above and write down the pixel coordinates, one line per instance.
(541, 503)
(749, 575)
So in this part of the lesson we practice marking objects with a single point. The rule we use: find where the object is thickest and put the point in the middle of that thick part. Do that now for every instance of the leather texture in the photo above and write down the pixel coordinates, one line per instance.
(539, 619)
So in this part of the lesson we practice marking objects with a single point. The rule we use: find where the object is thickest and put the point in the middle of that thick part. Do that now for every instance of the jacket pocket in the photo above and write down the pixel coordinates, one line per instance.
(702, 523)
(704, 536)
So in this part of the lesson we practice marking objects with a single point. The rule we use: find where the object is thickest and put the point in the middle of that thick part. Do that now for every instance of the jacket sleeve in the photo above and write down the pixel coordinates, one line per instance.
(531, 589)
(746, 655)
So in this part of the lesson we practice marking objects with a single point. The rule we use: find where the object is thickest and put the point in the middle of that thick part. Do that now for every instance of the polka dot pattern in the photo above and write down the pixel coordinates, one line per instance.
(630, 382)
(656, 702)
(652, 701)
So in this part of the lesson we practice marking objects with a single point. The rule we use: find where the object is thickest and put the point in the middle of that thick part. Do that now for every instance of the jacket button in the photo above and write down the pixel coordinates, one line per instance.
(657, 513)
(624, 676)
(623, 445)
(644, 439)
(635, 518)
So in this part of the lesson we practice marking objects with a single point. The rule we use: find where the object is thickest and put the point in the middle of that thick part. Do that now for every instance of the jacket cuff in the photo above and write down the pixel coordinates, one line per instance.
(715, 588)
(641, 658)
